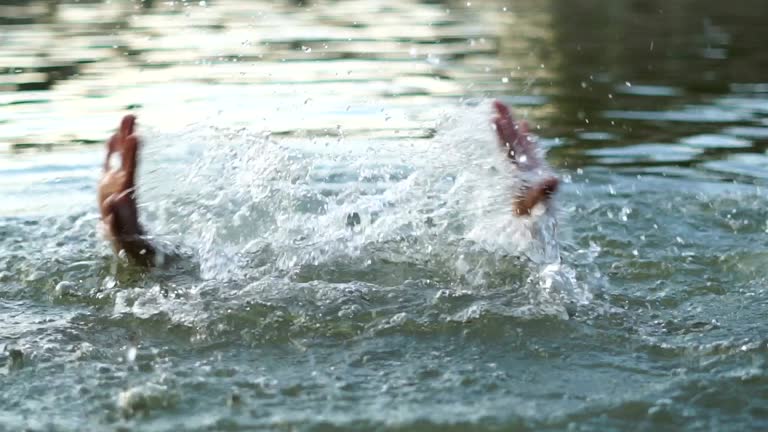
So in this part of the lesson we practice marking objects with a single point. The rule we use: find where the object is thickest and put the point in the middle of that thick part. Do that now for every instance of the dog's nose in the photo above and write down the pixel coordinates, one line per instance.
(539, 192)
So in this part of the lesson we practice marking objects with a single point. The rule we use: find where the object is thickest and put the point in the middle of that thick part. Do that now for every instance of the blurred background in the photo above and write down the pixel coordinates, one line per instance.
(594, 73)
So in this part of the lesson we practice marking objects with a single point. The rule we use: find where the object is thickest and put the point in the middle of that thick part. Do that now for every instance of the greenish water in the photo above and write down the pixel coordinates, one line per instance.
(266, 123)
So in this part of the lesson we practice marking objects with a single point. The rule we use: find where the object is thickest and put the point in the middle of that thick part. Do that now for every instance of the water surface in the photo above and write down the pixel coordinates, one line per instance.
(265, 124)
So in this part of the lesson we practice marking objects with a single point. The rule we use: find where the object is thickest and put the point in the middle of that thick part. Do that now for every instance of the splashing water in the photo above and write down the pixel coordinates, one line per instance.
(254, 208)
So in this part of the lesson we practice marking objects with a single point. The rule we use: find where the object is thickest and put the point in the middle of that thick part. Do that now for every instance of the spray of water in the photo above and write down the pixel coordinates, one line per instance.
(252, 207)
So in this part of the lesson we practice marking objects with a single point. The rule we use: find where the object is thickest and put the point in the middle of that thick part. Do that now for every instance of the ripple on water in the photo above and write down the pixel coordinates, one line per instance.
(749, 165)
(598, 136)
(754, 132)
(754, 104)
(690, 114)
(707, 141)
(645, 153)
(648, 90)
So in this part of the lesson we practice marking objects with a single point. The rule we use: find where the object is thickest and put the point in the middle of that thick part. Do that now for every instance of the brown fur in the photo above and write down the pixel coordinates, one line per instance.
(117, 197)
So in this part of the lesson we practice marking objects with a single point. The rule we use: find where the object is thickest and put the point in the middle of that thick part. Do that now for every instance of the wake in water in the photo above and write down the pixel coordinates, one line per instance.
(337, 211)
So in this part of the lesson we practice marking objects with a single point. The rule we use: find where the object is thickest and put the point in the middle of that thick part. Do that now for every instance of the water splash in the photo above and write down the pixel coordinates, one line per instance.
(253, 206)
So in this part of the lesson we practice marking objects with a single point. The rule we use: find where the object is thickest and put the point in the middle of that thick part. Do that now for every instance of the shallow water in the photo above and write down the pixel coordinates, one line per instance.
(265, 124)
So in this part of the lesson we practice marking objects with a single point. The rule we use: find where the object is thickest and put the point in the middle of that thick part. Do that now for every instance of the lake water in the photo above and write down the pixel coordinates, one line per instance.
(266, 124)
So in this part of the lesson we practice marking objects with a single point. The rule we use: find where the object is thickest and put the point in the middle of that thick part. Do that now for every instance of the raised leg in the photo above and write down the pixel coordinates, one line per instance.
(117, 197)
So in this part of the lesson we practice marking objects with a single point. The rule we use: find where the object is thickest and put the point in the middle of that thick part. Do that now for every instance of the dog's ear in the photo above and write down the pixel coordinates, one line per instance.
(116, 143)
(130, 154)
(126, 125)
(514, 138)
